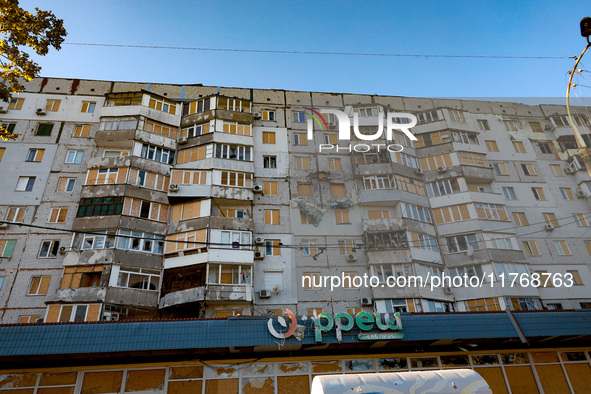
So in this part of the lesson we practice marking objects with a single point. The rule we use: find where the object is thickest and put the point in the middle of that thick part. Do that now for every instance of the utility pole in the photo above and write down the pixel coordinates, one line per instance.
(584, 150)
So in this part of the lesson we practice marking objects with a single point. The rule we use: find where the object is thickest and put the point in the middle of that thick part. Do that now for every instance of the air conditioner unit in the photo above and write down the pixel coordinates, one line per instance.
(569, 170)
(441, 169)
(418, 171)
(259, 254)
(548, 227)
(173, 187)
(581, 194)
(257, 189)
(62, 249)
(110, 316)
(265, 293)
(40, 111)
(3, 110)
(257, 115)
(366, 301)
(447, 290)
(259, 240)
(183, 140)
(351, 257)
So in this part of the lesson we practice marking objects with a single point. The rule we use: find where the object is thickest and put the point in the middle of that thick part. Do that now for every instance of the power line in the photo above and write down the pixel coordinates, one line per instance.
(418, 55)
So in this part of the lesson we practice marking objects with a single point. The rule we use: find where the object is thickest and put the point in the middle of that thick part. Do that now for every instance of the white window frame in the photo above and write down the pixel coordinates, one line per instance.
(74, 157)
(52, 245)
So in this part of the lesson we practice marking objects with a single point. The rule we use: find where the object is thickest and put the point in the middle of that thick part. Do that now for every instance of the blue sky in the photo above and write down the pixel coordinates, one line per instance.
(511, 28)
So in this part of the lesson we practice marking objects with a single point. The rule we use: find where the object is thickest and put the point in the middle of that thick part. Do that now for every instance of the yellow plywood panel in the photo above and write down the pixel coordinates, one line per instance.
(145, 379)
(177, 177)
(191, 386)
(221, 386)
(58, 378)
(260, 385)
(94, 311)
(56, 390)
(18, 380)
(186, 372)
(579, 376)
(552, 378)
(102, 382)
(176, 212)
(545, 357)
(53, 314)
(521, 379)
(494, 378)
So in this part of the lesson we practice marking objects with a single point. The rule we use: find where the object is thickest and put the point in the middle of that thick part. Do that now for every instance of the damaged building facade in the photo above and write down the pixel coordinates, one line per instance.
(136, 201)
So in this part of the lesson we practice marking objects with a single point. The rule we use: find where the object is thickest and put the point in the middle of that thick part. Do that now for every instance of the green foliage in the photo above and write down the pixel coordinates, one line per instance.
(20, 28)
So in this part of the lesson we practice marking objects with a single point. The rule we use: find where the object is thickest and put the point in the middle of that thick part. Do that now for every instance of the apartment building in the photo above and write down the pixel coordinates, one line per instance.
(135, 201)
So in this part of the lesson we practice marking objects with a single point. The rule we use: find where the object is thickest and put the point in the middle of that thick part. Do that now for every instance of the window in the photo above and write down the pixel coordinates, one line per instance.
(35, 155)
(100, 206)
(502, 243)
(268, 115)
(44, 129)
(52, 105)
(2, 150)
(457, 116)
(342, 216)
(81, 131)
(96, 241)
(304, 219)
(300, 139)
(272, 216)
(556, 170)
(518, 146)
(520, 219)
(88, 107)
(580, 220)
(158, 154)
(491, 146)
(74, 156)
(428, 116)
(491, 211)
(133, 240)
(16, 103)
(368, 112)
(528, 169)
(536, 127)
(138, 278)
(311, 281)
(7, 247)
(105, 176)
(270, 188)
(49, 249)
(378, 214)
(346, 247)
(299, 117)
(16, 214)
(39, 285)
(377, 182)
(510, 126)
(427, 242)
(483, 304)
(27, 319)
(304, 189)
(566, 193)
(197, 130)
(587, 243)
(509, 193)
(269, 161)
(162, 105)
(442, 188)
(538, 193)
(237, 179)
(73, 313)
(545, 147)
(273, 247)
(530, 248)
(483, 124)
(331, 139)
(560, 120)
(309, 248)
(302, 163)
(338, 190)
(416, 212)
(334, 164)
(500, 169)
(472, 159)
(576, 277)
(460, 243)
(224, 212)
(115, 153)
(233, 152)
(465, 138)
(58, 215)
(145, 208)
(25, 183)
(562, 248)
(550, 218)
(268, 137)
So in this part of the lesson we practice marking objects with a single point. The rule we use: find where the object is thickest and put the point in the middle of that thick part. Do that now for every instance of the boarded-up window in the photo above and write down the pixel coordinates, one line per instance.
(272, 216)
(270, 188)
(81, 131)
(102, 382)
(338, 190)
(302, 163)
(304, 189)
(186, 210)
(342, 216)
(144, 380)
(186, 241)
(268, 137)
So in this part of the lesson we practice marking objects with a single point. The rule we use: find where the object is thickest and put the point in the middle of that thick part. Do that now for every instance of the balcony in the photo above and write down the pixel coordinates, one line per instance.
(379, 196)
(81, 295)
(222, 164)
(479, 174)
(131, 297)
(387, 256)
(222, 114)
(196, 191)
(186, 296)
(481, 256)
(110, 256)
(125, 138)
(134, 110)
(224, 293)
(184, 259)
(129, 161)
